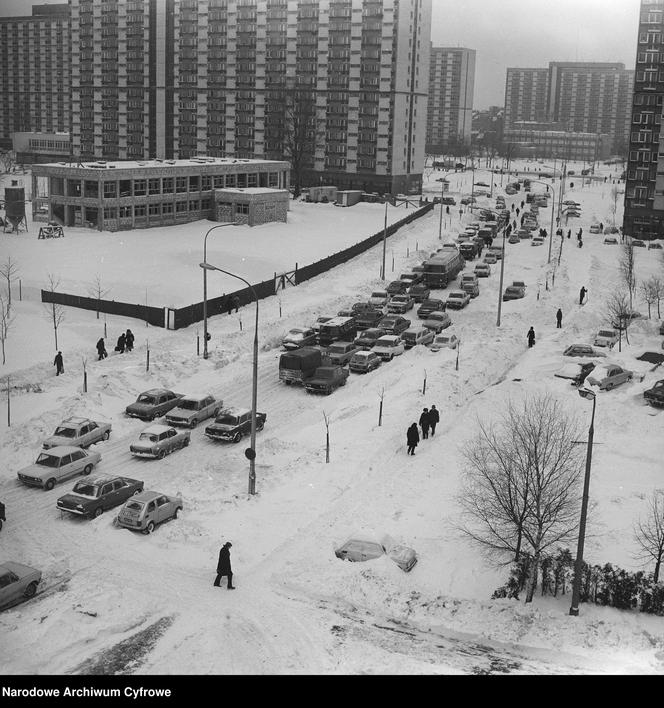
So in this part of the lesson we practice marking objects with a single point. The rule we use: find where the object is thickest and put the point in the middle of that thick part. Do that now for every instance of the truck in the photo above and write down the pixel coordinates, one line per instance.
(442, 269)
(326, 379)
(299, 365)
(655, 395)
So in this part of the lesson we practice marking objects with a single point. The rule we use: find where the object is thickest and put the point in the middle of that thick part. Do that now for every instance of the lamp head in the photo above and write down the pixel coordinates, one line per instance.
(586, 393)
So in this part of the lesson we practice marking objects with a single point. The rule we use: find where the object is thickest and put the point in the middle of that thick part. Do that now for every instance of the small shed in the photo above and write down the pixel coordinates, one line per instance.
(323, 193)
(349, 197)
(251, 205)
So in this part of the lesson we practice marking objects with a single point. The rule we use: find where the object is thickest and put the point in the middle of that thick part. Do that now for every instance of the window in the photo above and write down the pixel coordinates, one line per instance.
(180, 184)
(154, 210)
(154, 186)
(167, 208)
(125, 212)
(167, 185)
(139, 187)
(242, 209)
(110, 190)
(181, 207)
(110, 213)
(139, 210)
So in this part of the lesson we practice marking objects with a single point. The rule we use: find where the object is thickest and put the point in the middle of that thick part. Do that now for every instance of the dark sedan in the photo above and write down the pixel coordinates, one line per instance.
(91, 497)
(514, 292)
(394, 324)
(153, 404)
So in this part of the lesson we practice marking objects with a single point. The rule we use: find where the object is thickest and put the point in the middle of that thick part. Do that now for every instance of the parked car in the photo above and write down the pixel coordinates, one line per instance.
(608, 376)
(79, 432)
(611, 240)
(233, 423)
(606, 338)
(450, 201)
(457, 300)
(626, 319)
(430, 305)
(157, 441)
(450, 246)
(17, 581)
(575, 371)
(394, 324)
(513, 292)
(364, 361)
(412, 278)
(368, 318)
(444, 341)
(582, 350)
(299, 337)
(326, 379)
(58, 464)
(611, 230)
(490, 259)
(340, 353)
(654, 245)
(379, 298)
(368, 338)
(153, 404)
(519, 284)
(389, 346)
(417, 335)
(362, 549)
(359, 307)
(655, 395)
(191, 410)
(400, 304)
(514, 238)
(397, 287)
(92, 497)
(595, 229)
(147, 509)
(469, 200)
(437, 322)
(638, 243)
(418, 292)
(497, 251)
(537, 241)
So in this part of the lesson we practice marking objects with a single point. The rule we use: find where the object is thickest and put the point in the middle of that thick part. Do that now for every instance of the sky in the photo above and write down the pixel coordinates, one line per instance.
(516, 33)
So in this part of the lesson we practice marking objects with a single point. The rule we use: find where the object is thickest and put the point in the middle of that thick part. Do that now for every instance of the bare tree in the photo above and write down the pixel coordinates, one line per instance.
(649, 533)
(97, 291)
(657, 290)
(627, 267)
(615, 193)
(618, 311)
(9, 271)
(54, 310)
(7, 160)
(6, 321)
(522, 483)
(648, 293)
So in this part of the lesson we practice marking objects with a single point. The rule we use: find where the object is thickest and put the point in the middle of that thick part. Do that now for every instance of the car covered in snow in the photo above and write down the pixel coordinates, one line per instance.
(145, 510)
(608, 376)
(81, 432)
(58, 464)
(575, 371)
(655, 395)
(299, 337)
(366, 339)
(400, 304)
(419, 292)
(157, 441)
(457, 300)
(389, 346)
(638, 243)
(417, 335)
(397, 287)
(490, 259)
(437, 321)
(513, 292)
(17, 581)
(92, 497)
(582, 350)
(606, 338)
(358, 550)
(364, 361)
(595, 229)
(192, 409)
(654, 245)
(444, 341)
(153, 404)
(611, 240)
(233, 424)
(430, 305)
(379, 298)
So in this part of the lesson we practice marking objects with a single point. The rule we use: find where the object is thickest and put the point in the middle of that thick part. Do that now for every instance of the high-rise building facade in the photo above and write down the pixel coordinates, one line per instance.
(451, 88)
(582, 97)
(34, 72)
(337, 87)
(644, 190)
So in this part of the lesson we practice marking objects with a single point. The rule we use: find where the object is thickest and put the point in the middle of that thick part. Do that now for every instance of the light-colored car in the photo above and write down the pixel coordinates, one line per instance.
(153, 404)
(389, 346)
(379, 298)
(364, 361)
(157, 441)
(57, 464)
(444, 341)
(449, 246)
(400, 304)
(417, 335)
(606, 338)
(147, 509)
(438, 321)
(191, 410)
(80, 432)
(497, 251)
(358, 550)
(490, 259)
(299, 337)
(340, 353)
(582, 350)
(468, 278)
(457, 300)
(17, 581)
(537, 241)
(595, 229)
(608, 376)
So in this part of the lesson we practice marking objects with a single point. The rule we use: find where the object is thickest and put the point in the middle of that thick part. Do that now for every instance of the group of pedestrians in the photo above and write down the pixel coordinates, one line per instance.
(124, 344)
(429, 419)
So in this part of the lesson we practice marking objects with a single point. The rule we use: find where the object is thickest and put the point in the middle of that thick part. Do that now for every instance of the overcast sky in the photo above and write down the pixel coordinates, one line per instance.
(516, 33)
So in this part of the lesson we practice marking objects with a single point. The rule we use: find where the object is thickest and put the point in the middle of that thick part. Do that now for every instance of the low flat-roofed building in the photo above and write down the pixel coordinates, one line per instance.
(251, 205)
(31, 148)
(118, 196)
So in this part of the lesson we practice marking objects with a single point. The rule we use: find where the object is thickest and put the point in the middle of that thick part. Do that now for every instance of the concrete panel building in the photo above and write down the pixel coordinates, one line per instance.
(451, 89)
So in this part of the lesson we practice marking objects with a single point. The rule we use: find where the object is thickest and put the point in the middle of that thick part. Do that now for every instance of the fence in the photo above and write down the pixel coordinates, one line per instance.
(185, 316)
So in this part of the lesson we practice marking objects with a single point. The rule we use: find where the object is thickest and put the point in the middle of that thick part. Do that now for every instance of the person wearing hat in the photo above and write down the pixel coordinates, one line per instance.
(224, 566)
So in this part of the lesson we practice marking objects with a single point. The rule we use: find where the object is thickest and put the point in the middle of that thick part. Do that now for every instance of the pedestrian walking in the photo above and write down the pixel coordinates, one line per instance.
(559, 319)
(579, 234)
(412, 438)
(531, 337)
(522, 204)
(59, 366)
(101, 349)
(236, 302)
(580, 243)
(517, 211)
(120, 346)
(224, 566)
(569, 233)
(582, 294)
(447, 209)
(425, 423)
(434, 418)
(129, 340)
(601, 227)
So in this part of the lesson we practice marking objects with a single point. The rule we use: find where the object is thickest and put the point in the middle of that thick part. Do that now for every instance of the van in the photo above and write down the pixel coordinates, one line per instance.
(442, 269)
(337, 328)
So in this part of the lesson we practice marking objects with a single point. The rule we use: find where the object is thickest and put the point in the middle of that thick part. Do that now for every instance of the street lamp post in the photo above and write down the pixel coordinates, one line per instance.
(553, 203)
(443, 181)
(251, 453)
(502, 272)
(578, 564)
(205, 331)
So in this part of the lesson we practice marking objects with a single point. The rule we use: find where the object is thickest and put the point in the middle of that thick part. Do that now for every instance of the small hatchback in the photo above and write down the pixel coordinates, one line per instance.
(389, 346)
(147, 509)
(364, 361)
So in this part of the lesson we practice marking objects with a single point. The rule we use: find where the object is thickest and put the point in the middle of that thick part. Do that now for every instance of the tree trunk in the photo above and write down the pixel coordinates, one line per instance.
(655, 576)
(532, 578)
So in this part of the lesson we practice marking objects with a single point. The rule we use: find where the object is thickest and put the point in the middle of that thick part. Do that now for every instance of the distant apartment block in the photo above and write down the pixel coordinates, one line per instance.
(644, 190)
(548, 140)
(525, 95)
(34, 72)
(451, 88)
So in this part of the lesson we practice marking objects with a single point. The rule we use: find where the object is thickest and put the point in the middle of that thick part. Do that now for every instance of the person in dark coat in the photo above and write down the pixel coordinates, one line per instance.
(412, 437)
(59, 366)
(434, 417)
(229, 304)
(582, 294)
(129, 340)
(425, 423)
(531, 337)
(601, 225)
(447, 209)
(559, 319)
(101, 349)
(120, 346)
(569, 233)
(224, 566)
(236, 302)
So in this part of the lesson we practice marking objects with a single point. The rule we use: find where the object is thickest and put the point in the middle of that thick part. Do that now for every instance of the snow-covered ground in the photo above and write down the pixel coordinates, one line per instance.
(108, 593)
